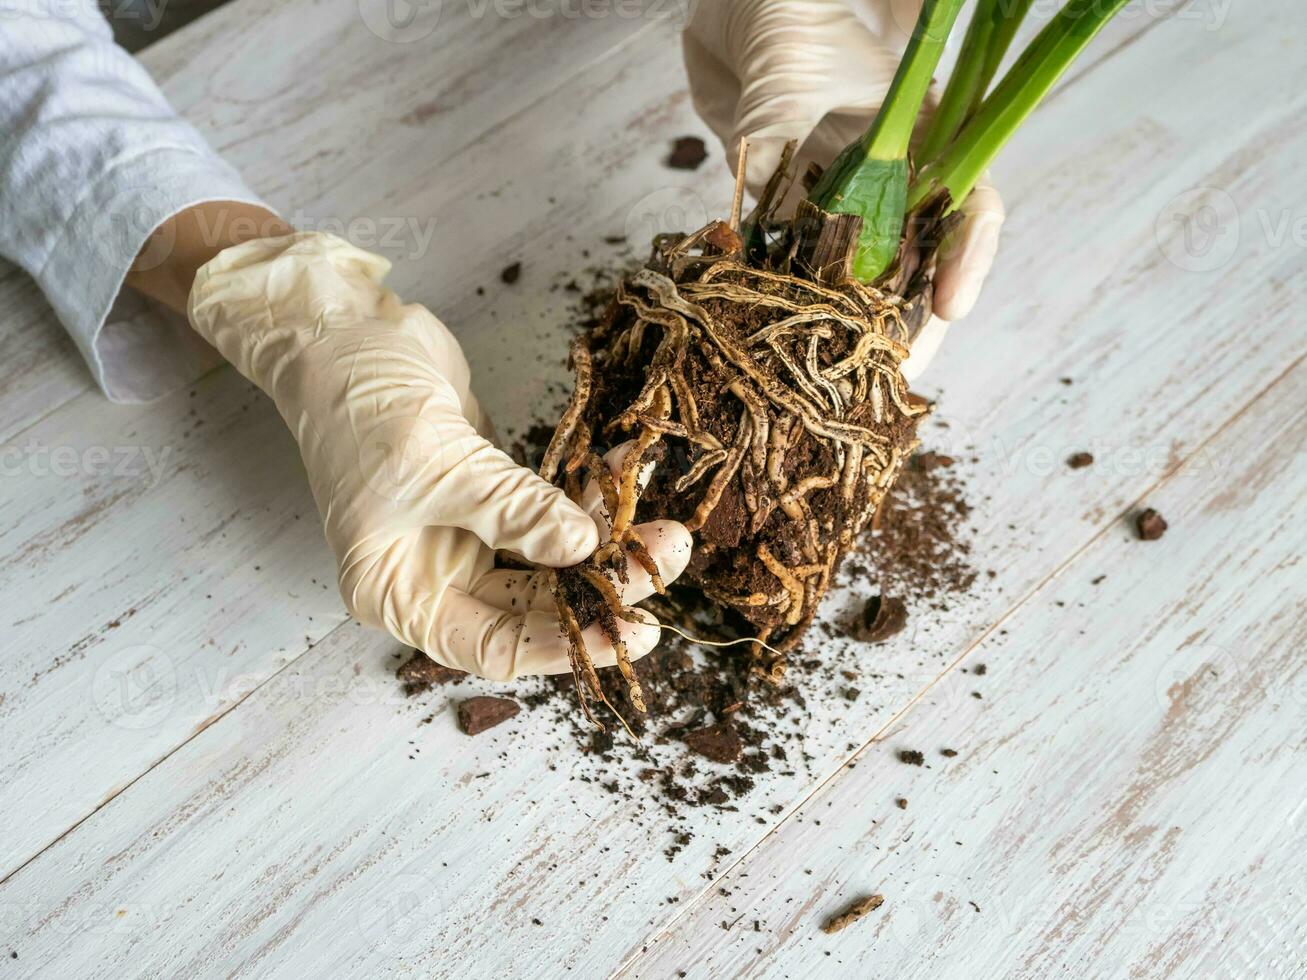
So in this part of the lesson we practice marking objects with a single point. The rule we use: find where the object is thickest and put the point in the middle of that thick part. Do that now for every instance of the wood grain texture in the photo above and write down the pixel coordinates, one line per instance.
(172, 552)
(337, 126)
(1125, 800)
(294, 835)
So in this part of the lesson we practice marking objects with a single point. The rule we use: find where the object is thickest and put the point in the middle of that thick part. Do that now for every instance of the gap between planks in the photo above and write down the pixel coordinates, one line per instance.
(690, 908)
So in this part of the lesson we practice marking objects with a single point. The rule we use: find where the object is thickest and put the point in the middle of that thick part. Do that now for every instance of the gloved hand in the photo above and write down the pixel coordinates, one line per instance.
(414, 497)
(813, 71)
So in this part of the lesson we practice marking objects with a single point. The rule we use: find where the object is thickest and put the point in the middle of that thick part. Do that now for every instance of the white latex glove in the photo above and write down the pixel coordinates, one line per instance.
(414, 497)
(815, 71)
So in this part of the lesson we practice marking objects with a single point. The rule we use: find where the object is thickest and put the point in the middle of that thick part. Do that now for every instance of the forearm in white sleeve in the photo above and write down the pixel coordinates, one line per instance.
(92, 160)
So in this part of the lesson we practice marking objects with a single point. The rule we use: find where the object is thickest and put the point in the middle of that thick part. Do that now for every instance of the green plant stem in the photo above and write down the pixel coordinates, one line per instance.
(1007, 20)
(870, 176)
(990, 33)
(963, 92)
(1035, 73)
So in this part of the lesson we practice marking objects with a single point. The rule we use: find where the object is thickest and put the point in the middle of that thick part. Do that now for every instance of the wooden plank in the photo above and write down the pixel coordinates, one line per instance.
(40, 368)
(210, 567)
(297, 827)
(1126, 799)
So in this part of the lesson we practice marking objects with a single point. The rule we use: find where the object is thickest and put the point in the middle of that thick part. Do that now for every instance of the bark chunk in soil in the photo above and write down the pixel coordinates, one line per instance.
(853, 913)
(688, 152)
(719, 742)
(420, 673)
(481, 713)
(1150, 525)
(882, 617)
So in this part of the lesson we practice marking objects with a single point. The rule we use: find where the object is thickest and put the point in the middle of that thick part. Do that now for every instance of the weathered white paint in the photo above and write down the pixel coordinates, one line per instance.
(282, 835)
(169, 556)
(1127, 799)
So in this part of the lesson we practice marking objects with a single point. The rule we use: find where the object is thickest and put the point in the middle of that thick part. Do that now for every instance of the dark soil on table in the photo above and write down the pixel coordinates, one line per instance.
(713, 728)
(726, 559)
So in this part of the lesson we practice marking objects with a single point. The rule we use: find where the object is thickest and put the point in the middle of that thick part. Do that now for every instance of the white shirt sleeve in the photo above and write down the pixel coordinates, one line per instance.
(92, 160)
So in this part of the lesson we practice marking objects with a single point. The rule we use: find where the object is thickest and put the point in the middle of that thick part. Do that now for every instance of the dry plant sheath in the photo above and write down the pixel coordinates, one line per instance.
(756, 363)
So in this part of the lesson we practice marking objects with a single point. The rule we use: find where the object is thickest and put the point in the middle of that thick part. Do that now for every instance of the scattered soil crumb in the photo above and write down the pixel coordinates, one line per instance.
(478, 714)
(980, 670)
(948, 753)
(917, 552)
(1150, 525)
(853, 913)
(916, 548)
(718, 742)
(882, 617)
(912, 757)
(688, 152)
(420, 673)
(511, 273)
(1078, 461)
(901, 803)
(932, 460)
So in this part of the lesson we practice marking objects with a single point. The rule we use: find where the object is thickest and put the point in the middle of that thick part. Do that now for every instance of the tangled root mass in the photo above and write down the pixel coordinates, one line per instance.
(767, 390)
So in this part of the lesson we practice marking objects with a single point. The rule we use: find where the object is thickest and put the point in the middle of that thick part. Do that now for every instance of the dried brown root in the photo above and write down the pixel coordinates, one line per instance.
(628, 495)
(598, 471)
(725, 472)
(790, 582)
(562, 436)
(609, 592)
(769, 666)
(583, 669)
(825, 418)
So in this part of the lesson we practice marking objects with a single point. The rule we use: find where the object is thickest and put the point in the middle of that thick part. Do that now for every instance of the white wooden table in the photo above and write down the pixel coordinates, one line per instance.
(204, 767)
